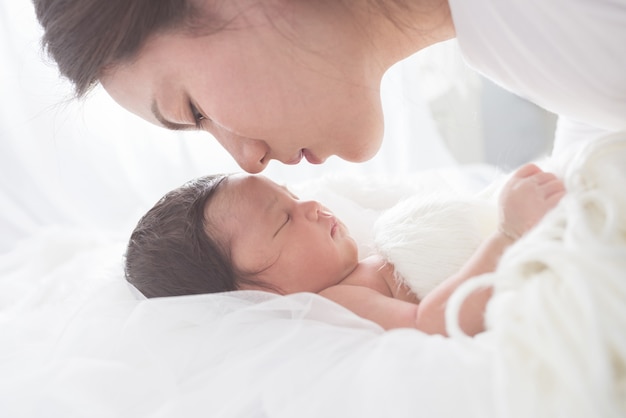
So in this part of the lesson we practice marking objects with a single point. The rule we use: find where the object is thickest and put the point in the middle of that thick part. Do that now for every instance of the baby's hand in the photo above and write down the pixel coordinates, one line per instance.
(526, 198)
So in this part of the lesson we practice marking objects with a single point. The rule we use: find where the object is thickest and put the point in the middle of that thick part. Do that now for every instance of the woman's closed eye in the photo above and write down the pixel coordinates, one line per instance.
(198, 116)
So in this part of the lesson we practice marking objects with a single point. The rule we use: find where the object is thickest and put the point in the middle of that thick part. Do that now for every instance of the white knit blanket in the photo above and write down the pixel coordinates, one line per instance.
(559, 311)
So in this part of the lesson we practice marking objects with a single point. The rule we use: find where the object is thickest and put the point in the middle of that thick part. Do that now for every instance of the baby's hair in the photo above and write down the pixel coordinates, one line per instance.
(170, 252)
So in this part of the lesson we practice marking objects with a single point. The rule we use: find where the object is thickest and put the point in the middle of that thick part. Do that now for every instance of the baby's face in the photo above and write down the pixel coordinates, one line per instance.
(294, 245)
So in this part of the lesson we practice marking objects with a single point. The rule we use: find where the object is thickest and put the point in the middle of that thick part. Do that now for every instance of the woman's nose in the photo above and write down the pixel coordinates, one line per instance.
(252, 155)
(252, 159)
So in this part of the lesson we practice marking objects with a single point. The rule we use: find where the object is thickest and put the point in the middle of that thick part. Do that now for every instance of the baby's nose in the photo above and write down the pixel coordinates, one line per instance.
(325, 212)
(313, 210)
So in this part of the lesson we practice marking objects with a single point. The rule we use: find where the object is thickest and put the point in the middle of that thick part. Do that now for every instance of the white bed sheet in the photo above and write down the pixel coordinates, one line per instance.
(76, 341)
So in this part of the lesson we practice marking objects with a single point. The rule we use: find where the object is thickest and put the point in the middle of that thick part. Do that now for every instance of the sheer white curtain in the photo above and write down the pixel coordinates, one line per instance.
(92, 163)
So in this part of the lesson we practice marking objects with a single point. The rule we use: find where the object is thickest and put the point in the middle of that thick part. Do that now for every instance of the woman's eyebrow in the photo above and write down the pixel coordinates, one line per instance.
(154, 107)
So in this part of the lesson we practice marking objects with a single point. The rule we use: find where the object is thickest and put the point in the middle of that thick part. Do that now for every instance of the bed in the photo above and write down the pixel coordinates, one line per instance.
(77, 341)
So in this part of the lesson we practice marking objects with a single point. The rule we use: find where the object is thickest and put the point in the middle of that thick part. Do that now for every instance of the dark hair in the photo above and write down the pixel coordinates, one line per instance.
(170, 251)
(85, 36)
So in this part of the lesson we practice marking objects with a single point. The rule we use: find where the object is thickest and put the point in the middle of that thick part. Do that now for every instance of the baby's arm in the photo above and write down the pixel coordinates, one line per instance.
(525, 199)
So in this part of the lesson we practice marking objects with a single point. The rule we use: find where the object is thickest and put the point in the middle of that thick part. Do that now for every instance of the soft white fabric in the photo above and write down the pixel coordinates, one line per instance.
(427, 238)
(564, 55)
(75, 341)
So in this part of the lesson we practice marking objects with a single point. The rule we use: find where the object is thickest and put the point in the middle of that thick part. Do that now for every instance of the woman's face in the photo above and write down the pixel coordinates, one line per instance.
(293, 245)
(265, 87)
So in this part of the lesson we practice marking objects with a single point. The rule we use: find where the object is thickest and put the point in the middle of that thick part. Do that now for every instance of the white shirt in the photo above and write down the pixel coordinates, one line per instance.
(567, 56)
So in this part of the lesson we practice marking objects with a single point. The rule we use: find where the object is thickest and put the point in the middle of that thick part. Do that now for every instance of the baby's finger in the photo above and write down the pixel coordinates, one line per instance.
(553, 187)
(527, 170)
(555, 198)
(544, 177)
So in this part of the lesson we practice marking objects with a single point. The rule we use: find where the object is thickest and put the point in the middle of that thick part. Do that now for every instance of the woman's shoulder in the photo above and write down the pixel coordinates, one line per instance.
(550, 52)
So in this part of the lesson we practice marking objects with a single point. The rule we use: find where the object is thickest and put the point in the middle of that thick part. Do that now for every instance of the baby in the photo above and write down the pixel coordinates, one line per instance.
(244, 232)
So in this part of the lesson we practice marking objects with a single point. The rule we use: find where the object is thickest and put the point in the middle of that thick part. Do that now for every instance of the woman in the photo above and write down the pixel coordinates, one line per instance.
(293, 79)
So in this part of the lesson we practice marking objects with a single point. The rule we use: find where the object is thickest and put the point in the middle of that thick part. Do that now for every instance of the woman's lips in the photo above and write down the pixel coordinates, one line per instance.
(296, 159)
(310, 157)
